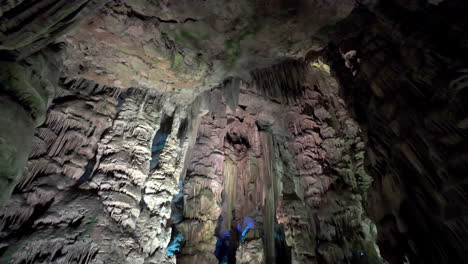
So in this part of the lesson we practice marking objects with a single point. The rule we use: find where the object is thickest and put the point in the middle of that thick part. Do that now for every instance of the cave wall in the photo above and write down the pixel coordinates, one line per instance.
(202, 186)
(47, 202)
(88, 193)
(30, 71)
(26, 90)
(279, 177)
(327, 149)
(133, 176)
(403, 75)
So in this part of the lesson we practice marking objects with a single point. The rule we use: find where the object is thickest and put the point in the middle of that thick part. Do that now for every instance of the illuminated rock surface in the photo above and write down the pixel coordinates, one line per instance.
(266, 131)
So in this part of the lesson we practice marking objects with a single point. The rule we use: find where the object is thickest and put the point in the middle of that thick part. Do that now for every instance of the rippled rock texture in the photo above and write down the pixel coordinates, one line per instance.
(184, 47)
(271, 182)
(89, 193)
(265, 181)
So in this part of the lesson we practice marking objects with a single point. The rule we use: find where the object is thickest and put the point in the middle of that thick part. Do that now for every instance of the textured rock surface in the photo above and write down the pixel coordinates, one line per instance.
(48, 201)
(102, 183)
(250, 252)
(328, 153)
(208, 131)
(194, 45)
(29, 72)
(26, 90)
(202, 189)
(296, 171)
(88, 184)
(28, 26)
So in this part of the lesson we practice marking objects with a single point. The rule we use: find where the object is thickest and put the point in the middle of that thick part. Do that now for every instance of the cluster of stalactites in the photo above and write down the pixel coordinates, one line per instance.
(57, 250)
(28, 26)
(282, 82)
(87, 87)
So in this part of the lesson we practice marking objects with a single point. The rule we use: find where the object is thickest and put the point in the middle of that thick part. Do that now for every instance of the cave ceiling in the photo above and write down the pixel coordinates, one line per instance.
(194, 45)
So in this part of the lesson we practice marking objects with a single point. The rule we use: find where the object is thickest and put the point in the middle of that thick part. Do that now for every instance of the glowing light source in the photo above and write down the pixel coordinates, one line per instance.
(174, 245)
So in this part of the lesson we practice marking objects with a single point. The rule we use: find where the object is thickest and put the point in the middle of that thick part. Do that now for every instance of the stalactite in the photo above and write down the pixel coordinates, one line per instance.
(270, 192)
(282, 82)
(58, 121)
(58, 250)
(84, 87)
(230, 181)
(231, 92)
(35, 168)
(203, 178)
(12, 218)
(64, 219)
(47, 135)
(67, 141)
(19, 211)
(39, 148)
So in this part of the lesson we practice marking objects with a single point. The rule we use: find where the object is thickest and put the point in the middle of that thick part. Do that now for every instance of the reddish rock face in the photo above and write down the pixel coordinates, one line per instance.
(284, 168)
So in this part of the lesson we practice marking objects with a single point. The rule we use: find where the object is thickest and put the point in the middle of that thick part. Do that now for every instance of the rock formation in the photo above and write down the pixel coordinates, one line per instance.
(266, 131)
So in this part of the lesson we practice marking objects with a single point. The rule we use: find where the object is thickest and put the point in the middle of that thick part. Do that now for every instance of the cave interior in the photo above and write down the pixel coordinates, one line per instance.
(221, 131)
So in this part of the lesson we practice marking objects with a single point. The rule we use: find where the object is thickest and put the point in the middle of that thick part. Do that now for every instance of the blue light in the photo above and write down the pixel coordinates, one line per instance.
(361, 253)
(249, 223)
(174, 245)
(224, 239)
(157, 147)
(222, 247)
